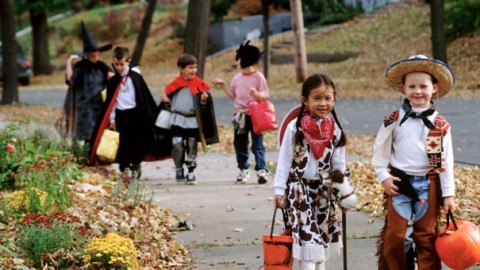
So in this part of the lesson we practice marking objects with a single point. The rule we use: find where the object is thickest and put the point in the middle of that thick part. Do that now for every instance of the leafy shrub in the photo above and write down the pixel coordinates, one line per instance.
(8, 156)
(111, 252)
(462, 17)
(36, 241)
(34, 158)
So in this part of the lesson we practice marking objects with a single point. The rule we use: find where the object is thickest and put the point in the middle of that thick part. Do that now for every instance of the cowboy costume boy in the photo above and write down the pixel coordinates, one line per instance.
(414, 144)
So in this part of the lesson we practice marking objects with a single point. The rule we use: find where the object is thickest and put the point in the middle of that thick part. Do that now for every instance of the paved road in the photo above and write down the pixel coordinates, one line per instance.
(357, 116)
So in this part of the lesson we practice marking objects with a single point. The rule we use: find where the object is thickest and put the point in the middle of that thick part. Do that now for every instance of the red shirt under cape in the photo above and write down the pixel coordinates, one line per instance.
(196, 85)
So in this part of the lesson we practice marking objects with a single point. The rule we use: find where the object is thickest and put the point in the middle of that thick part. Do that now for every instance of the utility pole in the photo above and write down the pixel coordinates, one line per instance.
(299, 40)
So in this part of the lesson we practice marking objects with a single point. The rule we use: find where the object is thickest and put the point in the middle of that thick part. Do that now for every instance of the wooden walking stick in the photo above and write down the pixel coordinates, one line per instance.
(344, 239)
(200, 131)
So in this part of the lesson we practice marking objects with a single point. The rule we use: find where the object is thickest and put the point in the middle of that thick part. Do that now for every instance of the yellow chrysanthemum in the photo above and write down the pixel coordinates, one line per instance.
(20, 199)
(112, 251)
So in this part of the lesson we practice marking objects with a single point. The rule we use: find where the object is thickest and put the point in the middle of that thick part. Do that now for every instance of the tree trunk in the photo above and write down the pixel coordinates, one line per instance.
(142, 36)
(196, 32)
(266, 36)
(41, 59)
(9, 51)
(439, 45)
(299, 40)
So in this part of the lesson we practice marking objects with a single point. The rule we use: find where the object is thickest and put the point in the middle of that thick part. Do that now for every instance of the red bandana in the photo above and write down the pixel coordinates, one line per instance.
(196, 85)
(318, 138)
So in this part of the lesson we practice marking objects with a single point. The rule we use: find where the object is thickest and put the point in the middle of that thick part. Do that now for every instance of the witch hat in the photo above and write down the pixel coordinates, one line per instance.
(404, 186)
(89, 42)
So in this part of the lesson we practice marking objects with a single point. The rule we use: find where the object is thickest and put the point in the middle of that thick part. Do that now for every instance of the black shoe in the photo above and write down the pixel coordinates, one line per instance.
(191, 180)
(179, 175)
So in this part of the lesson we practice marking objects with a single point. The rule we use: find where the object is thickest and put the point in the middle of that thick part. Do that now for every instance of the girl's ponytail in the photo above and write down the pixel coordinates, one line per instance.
(343, 137)
(298, 140)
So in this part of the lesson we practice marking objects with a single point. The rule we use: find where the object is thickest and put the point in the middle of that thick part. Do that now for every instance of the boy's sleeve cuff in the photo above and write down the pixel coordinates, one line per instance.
(279, 191)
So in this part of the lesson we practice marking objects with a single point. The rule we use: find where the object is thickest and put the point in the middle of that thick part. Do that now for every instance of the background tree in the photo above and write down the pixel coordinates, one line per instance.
(266, 35)
(299, 40)
(439, 44)
(196, 32)
(142, 36)
(9, 51)
(39, 10)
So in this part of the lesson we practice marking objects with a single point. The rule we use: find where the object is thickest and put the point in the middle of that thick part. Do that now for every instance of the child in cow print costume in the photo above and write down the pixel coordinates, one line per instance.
(313, 147)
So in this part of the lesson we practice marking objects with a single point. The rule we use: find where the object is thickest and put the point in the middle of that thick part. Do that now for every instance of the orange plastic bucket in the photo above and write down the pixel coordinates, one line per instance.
(277, 249)
(277, 252)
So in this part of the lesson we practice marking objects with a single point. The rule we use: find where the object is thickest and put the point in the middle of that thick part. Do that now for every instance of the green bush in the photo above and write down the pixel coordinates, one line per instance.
(36, 161)
(462, 17)
(36, 241)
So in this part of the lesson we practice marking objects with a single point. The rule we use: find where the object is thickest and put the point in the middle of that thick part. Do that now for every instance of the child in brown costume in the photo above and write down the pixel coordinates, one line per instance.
(414, 146)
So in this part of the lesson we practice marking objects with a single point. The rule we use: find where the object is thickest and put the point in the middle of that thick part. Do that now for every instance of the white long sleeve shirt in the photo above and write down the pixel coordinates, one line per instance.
(405, 148)
(126, 96)
(285, 158)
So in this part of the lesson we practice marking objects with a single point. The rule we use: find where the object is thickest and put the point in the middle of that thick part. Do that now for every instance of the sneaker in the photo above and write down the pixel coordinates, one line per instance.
(243, 176)
(262, 176)
(136, 171)
(191, 179)
(179, 175)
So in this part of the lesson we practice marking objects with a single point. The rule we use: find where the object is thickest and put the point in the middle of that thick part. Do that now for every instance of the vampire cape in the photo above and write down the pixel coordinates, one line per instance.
(159, 149)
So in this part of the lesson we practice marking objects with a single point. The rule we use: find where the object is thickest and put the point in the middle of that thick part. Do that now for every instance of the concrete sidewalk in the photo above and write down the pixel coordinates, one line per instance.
(230, 219)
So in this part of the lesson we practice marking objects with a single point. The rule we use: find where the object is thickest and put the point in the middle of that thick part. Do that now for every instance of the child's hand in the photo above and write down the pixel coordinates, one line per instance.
(254, 93)
(389, 187)
(204, 98)
(165, 98)
(279, 201)
(218, 82)
(73, 59)
(113, 125)
(449, 204)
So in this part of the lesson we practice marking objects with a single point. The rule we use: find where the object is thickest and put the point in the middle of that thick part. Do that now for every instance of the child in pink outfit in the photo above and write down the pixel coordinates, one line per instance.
(247, 86)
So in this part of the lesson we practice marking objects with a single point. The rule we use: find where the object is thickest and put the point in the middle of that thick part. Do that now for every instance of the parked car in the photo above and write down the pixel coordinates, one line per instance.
(24, 66)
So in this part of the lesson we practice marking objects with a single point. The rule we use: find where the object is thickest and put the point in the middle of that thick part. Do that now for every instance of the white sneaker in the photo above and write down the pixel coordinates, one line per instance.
(243, 176)
(262, 176)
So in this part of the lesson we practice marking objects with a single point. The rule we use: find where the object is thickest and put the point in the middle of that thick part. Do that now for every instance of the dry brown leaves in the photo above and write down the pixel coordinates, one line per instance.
(149, 226)
(371, 200)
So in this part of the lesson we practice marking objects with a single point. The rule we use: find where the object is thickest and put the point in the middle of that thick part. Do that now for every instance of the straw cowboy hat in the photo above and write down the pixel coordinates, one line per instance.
(420, 63)
(89, 42)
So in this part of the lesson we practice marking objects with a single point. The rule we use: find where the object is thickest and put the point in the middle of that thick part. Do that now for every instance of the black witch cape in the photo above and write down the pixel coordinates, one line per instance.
(159, 140)
(83, 102)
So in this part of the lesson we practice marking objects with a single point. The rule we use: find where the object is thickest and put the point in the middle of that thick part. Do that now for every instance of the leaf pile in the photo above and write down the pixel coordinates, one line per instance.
(371, 200)
(149, 226)
(103, 209)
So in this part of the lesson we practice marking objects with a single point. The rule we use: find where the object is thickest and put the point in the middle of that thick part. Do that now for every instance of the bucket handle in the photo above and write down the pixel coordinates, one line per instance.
(285, 220)
(450, 216)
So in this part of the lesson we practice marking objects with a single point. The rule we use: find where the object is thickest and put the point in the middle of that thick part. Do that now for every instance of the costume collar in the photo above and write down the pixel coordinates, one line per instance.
(196, 85)
(317, 137)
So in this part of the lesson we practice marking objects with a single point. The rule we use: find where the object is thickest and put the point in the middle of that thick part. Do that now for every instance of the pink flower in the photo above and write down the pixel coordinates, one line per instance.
(10, 147)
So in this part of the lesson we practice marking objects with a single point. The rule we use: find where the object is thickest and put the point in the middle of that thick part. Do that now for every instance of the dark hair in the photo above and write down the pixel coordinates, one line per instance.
(121, 53)
(186, 59)
(308, 85)
(248, 54)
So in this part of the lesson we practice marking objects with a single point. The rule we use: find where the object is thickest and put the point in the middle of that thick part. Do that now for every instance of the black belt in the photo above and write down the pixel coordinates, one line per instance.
(185, 114)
